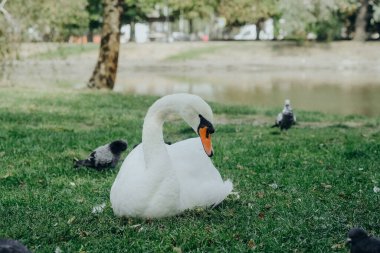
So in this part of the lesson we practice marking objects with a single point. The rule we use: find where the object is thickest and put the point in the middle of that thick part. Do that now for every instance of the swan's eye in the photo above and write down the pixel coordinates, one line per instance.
(204, 123)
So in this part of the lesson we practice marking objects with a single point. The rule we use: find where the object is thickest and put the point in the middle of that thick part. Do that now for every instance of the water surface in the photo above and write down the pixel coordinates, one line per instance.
(332, 91)
(338, 92)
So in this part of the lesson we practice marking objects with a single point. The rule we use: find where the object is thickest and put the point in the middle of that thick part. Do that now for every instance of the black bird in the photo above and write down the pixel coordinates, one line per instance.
(361, 242)
(103, 157)
(12, 246)
(286, 118)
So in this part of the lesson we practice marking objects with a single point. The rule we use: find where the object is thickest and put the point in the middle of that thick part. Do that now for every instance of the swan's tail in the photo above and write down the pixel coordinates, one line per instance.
(227, 186)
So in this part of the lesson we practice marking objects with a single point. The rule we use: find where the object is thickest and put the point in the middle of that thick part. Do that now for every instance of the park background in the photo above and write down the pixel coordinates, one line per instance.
(295, 191)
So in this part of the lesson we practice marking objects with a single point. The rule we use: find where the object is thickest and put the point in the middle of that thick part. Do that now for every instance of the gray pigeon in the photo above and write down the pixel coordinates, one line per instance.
(286, 118)
(104, 157)
(12, 246)
(361, 242)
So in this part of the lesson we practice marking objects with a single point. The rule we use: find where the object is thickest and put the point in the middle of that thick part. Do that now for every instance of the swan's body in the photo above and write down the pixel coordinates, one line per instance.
(158, 180)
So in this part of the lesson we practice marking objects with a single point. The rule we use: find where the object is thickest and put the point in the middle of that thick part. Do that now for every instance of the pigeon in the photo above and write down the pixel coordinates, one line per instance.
(286, 118)
(103, 157)
(12, 246)
(361, 242)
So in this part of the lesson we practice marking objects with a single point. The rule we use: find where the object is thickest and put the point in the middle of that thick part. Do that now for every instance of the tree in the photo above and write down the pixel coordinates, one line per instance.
(324, 18)
(137, 11)
(240, 12)
(9, 38)
(192, 9)
(361, 21)
(104, 74)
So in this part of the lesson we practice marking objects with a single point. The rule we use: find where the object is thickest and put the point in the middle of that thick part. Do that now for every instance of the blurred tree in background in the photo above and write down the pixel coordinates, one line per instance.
(57, 20)
(104, 74)
(240, 12)
(323, 20)
(49, 20)
(9, 31)
(192, 10)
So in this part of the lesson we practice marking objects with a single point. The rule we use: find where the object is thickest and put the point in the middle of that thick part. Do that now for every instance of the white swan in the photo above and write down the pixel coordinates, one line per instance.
(158, 180)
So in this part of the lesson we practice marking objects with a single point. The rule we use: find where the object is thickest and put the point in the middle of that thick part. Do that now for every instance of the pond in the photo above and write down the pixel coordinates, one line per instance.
(343, 92)
(340, 92)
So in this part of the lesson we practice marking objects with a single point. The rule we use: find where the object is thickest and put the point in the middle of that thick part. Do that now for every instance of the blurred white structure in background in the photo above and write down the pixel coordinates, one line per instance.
(249, 32)
(267, 33)
(141, 33)
(125, 35)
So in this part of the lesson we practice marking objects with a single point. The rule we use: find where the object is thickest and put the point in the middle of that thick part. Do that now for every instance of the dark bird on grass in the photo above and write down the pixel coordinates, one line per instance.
(12, 246)
(104, 157)
(286, 118)
(361, 242)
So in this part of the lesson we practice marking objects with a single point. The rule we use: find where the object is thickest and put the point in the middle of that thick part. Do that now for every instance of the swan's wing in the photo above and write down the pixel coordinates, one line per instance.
(138, 191)
(128, 188)
(201, 183)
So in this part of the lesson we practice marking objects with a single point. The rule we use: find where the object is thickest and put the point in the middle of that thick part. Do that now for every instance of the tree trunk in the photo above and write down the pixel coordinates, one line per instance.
(104, 75)
(8, 17)
(133, 31)
(191, 26)
(259, 28)
(361, 22)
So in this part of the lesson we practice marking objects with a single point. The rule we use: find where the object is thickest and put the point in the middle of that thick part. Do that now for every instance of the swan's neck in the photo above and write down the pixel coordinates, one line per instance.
(155, 153)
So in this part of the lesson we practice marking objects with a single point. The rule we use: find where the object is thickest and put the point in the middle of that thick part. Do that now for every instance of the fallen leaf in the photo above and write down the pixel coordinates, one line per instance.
(260, 195)
(71, 220)
(338, 246)
(177, 250)
(274, 186)
(135, 226)
(326, 186)
(268, 206)
(261, 215)
(251, 244)
(235, 194)
(240, 167)
(6, 175)
(99, 208)
(84, 233)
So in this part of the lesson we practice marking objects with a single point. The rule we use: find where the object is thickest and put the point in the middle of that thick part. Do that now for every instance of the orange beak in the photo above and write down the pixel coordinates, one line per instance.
(206, 141)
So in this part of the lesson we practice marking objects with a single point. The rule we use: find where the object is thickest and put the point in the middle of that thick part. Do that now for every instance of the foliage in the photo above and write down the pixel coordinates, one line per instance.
(95, 10)
(192, 9)
(9, 41)
(299, 191)
(240, 12)
(50, 19)
(325, 18)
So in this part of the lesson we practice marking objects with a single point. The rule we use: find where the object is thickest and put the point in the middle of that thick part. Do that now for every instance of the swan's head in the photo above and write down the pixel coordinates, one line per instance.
(198, 114)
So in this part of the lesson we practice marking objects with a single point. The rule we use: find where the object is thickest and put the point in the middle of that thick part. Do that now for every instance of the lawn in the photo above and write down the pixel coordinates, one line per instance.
(297, 191)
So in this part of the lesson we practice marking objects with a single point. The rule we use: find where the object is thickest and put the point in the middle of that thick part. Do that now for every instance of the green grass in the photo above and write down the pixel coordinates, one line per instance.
(324, 173)
(65, 50)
